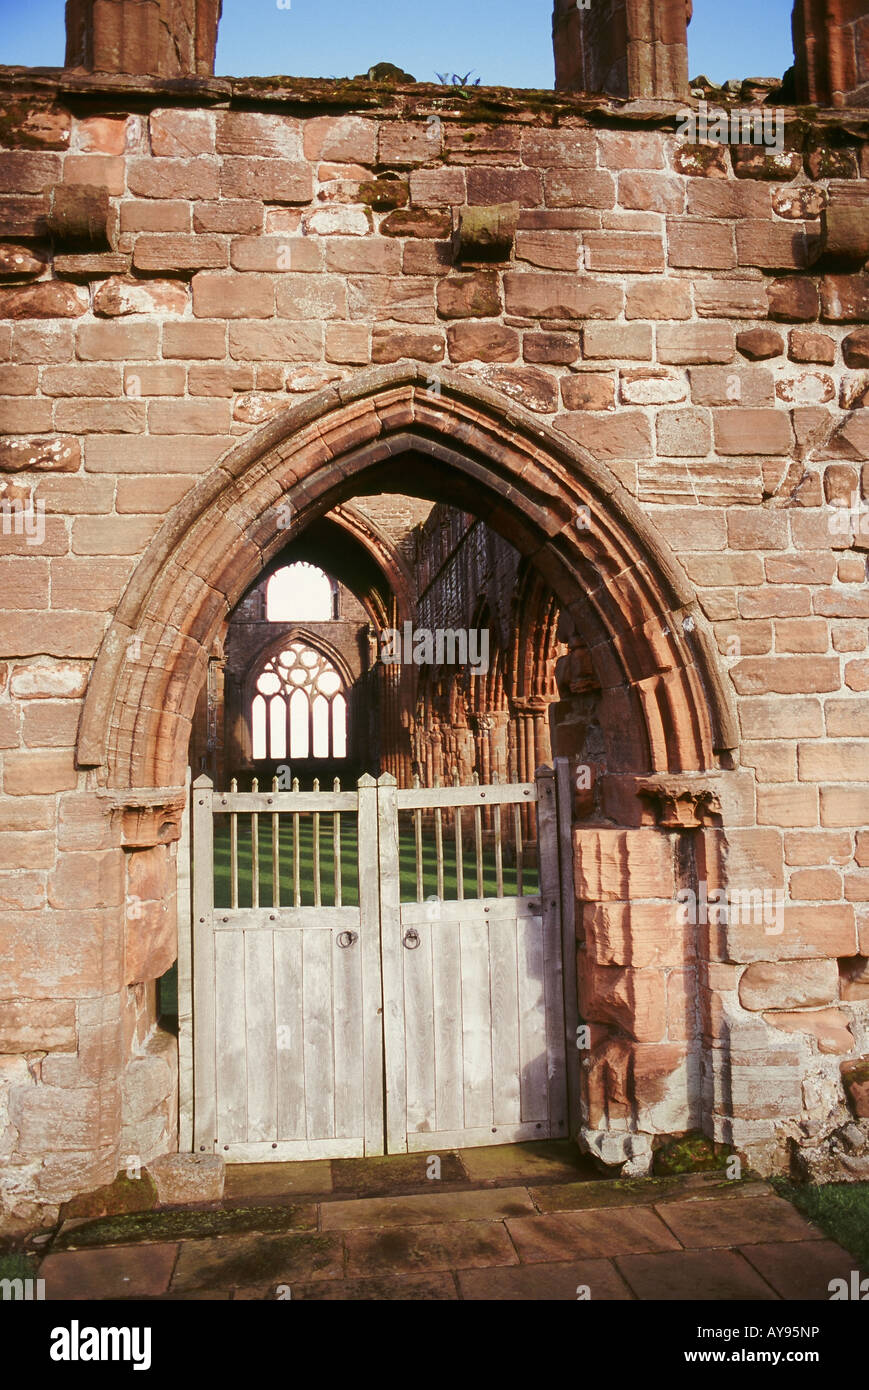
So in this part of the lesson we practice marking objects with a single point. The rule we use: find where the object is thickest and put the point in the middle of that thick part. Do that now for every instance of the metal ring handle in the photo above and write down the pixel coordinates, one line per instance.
(411, 938)
(346, 938)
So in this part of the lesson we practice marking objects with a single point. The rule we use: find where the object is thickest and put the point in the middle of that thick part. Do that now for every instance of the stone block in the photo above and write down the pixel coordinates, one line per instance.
(622, 864)
(829, 1027)
(633, 1000)
(188, 1179)
(788, 984)
(37, 1025)
(855, 1080)
(472, 296)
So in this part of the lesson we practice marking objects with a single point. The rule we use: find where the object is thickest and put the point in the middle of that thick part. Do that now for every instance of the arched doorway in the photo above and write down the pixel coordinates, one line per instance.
(643, 715)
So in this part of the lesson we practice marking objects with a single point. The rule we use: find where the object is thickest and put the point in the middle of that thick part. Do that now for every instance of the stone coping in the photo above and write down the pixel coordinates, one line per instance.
(307, 94)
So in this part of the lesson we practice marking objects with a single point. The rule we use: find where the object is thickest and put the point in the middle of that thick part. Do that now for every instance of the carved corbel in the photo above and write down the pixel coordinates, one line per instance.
(148, 816)
(681, 803)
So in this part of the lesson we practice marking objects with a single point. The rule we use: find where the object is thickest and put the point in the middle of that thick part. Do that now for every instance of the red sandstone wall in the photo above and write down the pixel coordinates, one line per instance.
(662, 308)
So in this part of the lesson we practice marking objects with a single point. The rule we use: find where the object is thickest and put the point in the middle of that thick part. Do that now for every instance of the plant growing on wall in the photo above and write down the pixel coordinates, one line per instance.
(454, 80)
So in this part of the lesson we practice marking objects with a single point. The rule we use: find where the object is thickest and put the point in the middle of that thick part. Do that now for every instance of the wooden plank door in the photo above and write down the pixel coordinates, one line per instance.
(289, 1060)
(473, 990)
(327, 1031)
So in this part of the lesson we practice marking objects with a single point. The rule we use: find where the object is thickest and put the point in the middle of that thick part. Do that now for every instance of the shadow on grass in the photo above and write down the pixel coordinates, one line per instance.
(840, 1209)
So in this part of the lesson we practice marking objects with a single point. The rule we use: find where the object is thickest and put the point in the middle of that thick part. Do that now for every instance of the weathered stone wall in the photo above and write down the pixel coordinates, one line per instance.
(690, 316)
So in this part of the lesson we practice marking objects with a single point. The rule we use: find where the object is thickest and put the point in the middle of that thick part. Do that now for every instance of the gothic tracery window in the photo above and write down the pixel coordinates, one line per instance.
(300, 708)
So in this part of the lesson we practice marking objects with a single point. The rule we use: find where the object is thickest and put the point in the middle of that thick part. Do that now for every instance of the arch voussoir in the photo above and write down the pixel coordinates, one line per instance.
(619, 582)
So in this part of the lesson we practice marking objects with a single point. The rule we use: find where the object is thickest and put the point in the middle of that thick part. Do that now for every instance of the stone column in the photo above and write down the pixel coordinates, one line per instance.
(157, 38)
(625, 48)
(831, 52)
(533, 748)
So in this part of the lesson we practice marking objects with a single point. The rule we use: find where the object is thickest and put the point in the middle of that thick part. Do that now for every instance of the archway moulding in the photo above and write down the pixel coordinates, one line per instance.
(612, 573)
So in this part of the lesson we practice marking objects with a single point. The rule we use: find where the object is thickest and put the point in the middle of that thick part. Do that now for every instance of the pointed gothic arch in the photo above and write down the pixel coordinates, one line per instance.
(617, 578)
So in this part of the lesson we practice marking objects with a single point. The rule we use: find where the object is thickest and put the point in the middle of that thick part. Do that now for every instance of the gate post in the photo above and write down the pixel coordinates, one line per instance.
(564, 815)
(553, 968)
(204, 1062)
(185, 980)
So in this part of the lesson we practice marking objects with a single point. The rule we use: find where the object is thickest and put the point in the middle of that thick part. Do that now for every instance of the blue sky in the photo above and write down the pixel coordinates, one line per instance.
(505, 42)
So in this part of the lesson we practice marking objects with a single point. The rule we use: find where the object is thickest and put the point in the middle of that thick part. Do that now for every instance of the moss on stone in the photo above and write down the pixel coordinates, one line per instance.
(124, 1194)
(185, 1225)
(19, 126)
(384, 195)
(855, 1074)
(689, 1153)
(16, 1265)
(833, 164)
(703, 155)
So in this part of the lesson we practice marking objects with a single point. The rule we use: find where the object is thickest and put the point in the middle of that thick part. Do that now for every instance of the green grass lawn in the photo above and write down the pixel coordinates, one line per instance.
(841, 1209)
(349, 873)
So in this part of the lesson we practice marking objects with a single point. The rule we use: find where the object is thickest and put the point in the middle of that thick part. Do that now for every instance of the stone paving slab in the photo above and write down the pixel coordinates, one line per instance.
(618, 1239)
(568, 1235)
(622, 1192)
(127, 1271)
(801, 1269)
(457, 1245)
(193, 1296)
(546, 1281)
(706, 1275)
(242, 1261)
(726, 1223)
(308, 1177)
(417, 1288)
(440, 1207)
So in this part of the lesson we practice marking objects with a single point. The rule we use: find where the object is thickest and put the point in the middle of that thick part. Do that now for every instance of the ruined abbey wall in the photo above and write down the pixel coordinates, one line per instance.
(180, 265)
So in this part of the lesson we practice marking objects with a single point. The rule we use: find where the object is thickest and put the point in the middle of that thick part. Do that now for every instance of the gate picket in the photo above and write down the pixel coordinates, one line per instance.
(447, 1015)
(476, 1021)
(391, 951)
(506, 1104)
(318, 1015)
(336, 1031)
(372, 985)
(259, 1017)
(231, 1037)
(289, 1036)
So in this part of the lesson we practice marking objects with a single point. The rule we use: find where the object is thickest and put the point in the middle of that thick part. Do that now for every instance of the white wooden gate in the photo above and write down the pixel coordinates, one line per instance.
(324, 1028)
